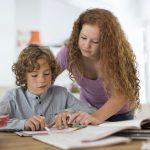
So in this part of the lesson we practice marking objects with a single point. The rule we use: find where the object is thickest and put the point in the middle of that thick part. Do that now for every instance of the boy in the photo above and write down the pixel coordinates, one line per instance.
(36, 102)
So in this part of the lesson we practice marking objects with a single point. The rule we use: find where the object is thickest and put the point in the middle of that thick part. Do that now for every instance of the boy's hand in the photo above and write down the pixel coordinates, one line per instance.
(61, 120)
(35, 123)
(83, 118)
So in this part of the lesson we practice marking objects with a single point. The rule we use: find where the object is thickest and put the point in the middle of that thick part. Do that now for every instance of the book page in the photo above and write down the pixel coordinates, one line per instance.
(133, 124)
(51, 130)
(90, 133)
(104, 130)
(65, 142)
(93, 133)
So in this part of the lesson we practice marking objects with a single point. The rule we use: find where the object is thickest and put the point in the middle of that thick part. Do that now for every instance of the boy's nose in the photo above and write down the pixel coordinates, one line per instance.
(41, 79)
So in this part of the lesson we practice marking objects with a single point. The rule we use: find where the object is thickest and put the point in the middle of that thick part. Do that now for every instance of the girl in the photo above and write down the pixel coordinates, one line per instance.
(102, 61)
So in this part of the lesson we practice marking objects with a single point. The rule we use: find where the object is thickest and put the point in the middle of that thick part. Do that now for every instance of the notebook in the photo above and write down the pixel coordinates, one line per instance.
(92, 136)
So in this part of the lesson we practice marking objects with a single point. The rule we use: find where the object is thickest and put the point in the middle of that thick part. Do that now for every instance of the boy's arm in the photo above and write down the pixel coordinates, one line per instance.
(72, 105)
(6, 108)
(75, 105)
(14, 125)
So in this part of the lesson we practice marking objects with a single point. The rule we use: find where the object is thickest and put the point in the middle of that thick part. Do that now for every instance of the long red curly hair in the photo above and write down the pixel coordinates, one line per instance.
(117, 61)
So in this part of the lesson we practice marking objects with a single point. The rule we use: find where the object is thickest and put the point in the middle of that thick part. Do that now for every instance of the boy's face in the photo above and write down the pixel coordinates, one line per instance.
(38, 81)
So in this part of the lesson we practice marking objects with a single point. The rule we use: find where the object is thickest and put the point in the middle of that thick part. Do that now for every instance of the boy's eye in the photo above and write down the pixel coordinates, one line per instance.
(34, 75)
(48, 73)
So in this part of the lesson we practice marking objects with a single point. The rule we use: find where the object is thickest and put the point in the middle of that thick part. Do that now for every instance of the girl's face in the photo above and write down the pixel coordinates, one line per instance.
(38, 81)
(89, 41)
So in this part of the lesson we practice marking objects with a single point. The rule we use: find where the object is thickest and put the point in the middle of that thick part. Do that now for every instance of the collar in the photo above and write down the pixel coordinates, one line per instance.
(36, 97)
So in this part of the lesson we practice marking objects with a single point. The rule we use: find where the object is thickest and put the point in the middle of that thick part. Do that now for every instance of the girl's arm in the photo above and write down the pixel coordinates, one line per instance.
(110, 108)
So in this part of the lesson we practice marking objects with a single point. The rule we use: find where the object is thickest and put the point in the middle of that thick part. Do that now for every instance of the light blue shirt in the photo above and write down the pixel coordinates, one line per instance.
(20, 104)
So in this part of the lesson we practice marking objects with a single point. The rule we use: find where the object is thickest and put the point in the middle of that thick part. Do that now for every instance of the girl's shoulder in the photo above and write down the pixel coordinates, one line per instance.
(62, 57)
(63, 52)
(64, 49)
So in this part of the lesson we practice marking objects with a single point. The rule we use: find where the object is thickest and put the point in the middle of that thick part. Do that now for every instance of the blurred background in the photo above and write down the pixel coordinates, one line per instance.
(52, 20)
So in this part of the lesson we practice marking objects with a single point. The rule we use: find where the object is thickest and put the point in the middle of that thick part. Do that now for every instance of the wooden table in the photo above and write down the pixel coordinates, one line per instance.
(11, 141)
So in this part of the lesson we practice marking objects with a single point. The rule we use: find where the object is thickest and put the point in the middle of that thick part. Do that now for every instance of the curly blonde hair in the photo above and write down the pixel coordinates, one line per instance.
(117, 61)
(27, 62)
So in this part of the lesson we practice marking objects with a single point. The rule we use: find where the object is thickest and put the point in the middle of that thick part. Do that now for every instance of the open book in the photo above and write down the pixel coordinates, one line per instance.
(75, 138)
(51, 130)
(91, 136)
(135, 134)
(108, 128)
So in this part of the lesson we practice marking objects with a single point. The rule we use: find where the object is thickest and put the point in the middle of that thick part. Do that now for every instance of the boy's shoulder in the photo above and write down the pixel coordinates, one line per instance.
(12, 93)
(58, 91)
(15, 90)
(57, 88)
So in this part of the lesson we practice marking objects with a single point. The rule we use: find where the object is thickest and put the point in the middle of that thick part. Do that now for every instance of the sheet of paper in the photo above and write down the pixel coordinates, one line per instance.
(31, 133)
(145, 145)
(52, 130)
(65, 142)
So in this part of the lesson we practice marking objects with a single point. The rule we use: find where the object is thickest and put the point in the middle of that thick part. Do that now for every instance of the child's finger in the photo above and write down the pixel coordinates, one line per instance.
(65, 121)
(41, 122)
(73, 117)
(36, 123)
(29, 125)
(58, 121)
(51, 124)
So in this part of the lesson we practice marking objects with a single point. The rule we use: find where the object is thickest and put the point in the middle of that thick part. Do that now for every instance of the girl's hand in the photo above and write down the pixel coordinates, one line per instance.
(61, 120)
(83, 118)
(35, 123)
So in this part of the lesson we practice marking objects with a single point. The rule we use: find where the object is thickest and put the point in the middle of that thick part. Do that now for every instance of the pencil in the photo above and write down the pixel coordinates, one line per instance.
(47, 129)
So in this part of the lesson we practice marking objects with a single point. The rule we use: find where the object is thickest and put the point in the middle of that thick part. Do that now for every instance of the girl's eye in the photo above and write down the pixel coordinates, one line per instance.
(83, 38)
(95, 42)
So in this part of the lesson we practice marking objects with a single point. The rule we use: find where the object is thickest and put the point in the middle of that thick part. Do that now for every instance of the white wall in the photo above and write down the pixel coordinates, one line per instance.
(136, 37)
(7, 42)
(145, 23)
(147, 67)
(57, 19)
(27, 14)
